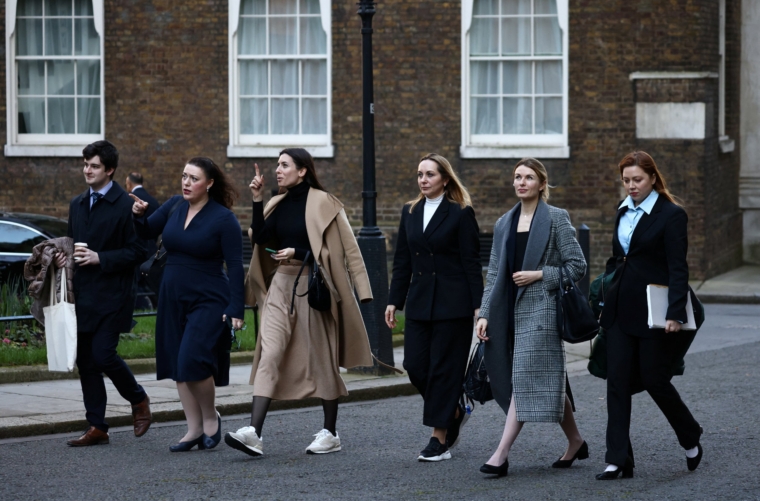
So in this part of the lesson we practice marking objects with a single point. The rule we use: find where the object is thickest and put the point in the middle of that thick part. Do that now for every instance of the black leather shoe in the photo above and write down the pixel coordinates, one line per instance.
(186, 446)
(499, 471)
(213, 441)
(581, 453)
(692, 463)
(627, 471)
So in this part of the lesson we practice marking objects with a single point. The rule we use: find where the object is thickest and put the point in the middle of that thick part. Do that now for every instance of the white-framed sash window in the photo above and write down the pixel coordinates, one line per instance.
(55, 81)
(515, 78)
(280, 77)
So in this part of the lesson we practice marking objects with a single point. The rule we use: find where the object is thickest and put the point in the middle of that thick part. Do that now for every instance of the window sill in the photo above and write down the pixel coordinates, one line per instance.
(274, 151)
(16, 150)
(518, 152)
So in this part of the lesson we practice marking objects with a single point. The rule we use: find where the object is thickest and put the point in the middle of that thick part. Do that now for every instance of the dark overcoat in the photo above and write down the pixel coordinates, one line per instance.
(104, 292)
(534, 366)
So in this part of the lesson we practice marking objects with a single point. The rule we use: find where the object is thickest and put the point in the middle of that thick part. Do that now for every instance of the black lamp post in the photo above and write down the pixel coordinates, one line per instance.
(371, 240)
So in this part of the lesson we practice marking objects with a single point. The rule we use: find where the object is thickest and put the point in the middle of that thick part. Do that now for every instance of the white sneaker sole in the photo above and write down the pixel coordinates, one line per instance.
(435, 459)
(241, 446)
(334, 449)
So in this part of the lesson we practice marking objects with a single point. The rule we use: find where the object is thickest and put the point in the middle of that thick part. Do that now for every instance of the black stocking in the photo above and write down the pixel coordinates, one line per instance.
(331, 414)
(259, 410)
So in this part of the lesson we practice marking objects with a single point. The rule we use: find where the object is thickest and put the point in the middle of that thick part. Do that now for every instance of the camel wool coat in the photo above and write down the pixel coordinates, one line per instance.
(334, 246)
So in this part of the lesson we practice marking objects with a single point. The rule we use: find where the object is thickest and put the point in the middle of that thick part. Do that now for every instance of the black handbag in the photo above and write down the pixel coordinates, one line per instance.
(576, 322)
(477, 386)
(318, 293)
(152, 270)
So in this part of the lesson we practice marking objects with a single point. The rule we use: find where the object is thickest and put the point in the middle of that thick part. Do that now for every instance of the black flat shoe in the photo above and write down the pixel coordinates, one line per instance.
(627, 471)
(213, 441)
(499, 471)
(186, 446)
(581, 453)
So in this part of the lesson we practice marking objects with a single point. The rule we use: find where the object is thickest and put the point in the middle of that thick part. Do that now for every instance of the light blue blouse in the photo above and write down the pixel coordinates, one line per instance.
(632, 216)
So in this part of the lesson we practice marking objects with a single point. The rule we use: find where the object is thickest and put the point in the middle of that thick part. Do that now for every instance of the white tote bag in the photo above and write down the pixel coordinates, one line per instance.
(60, 329)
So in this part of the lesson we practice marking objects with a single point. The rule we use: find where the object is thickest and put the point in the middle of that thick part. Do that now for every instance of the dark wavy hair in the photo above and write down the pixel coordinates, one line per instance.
(304, 160)
(221, 191)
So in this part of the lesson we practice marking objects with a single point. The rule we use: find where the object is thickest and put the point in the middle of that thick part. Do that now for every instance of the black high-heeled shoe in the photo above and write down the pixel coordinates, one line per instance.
(627, 471)
(692, 463)
(499, 471)
(213, 441)
(581, 453)
(186, 446)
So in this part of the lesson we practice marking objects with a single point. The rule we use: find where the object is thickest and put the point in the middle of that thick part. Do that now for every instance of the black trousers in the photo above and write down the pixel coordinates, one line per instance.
(435, 357)
(631, 359)
(96, 354)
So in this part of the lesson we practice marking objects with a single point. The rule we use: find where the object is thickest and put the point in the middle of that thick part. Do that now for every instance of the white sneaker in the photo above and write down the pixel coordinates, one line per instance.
(246, 440)
(323, 443)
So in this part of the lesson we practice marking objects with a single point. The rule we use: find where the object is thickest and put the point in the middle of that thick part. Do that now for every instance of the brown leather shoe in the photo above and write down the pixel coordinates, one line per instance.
(92, 436)
(141, 417)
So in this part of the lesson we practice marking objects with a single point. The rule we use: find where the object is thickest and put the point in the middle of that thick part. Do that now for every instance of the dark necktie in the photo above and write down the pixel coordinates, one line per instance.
(95, 197)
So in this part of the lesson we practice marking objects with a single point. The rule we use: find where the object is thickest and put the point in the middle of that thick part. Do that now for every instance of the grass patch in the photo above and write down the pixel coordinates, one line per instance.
(400, 322)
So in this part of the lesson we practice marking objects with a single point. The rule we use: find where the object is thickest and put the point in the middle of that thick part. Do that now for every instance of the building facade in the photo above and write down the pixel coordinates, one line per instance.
(575, 83)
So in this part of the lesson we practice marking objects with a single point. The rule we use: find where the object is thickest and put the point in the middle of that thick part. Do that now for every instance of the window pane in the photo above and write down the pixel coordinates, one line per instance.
(18, 239)
(515, 35)
(485, 7)
(58, 37)
(254, 116)
(258, 7)
(313, 39)
(254, 78)
(61, 116)
(252, 36)
(284, 116)
(517, 78)
(88, 115)
(548, 77)
(517, 113)
(29, 8)
(282, 35)
(485, 115)
(548, 115)
(31, 115)
(546, 6)
(29, 37)
(31, 78)
(88, 78)
(83, 7)
(60, 78)
(282, 6)
(86, 39)
(284, 78)
(484, 77)
(58, 8)
(484, 36)
(314, 116)
(314, 78)
(548, 36)
(512, 7)
(309, 7)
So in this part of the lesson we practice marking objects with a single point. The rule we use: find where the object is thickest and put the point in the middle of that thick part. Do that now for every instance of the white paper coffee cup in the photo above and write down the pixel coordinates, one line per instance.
(79, 244)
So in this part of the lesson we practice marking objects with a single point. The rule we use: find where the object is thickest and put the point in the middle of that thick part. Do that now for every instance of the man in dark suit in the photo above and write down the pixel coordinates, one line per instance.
(134, 185)
(101, 217)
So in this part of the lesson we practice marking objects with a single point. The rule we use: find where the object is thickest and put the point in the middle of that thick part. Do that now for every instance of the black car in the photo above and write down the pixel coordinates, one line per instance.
(19, 233)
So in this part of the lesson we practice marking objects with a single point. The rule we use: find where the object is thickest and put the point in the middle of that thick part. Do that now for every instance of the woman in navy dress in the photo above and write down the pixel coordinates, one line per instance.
(196, 298)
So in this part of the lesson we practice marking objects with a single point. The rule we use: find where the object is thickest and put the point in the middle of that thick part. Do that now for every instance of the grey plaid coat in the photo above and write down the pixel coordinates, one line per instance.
(534, 367)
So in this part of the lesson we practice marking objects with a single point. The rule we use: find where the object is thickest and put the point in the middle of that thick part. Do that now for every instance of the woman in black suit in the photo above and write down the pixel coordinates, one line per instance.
(437, 273)
(649, 247)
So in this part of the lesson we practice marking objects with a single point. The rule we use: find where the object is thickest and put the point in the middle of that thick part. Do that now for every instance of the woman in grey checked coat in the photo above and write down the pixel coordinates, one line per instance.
(524, 355)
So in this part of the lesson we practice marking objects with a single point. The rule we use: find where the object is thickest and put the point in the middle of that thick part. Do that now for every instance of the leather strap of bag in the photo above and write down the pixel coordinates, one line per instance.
(295, 284)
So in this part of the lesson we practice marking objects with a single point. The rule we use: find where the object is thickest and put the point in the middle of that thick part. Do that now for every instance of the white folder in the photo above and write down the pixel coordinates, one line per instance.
(657, 300)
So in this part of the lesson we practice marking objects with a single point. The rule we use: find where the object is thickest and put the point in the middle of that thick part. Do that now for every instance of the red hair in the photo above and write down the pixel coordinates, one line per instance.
(644, 161)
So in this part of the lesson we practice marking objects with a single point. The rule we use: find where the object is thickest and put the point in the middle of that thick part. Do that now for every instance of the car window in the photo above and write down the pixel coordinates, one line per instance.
(55, 227)
(16, 238)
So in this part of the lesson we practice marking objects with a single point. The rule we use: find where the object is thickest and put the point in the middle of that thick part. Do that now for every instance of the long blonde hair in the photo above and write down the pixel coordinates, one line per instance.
(454, 190)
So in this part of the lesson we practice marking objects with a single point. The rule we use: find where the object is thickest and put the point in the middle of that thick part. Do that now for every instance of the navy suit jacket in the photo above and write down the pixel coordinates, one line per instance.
(437, 273)
(153, 205)
(104, 293)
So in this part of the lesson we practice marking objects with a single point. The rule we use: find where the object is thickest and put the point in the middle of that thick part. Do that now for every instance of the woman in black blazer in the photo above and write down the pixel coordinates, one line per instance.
(649, 247)
(437, 274)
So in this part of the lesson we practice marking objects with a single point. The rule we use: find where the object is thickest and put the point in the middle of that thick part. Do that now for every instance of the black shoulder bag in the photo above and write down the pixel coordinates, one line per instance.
(576, 322)
(319, 294)
(152, 270)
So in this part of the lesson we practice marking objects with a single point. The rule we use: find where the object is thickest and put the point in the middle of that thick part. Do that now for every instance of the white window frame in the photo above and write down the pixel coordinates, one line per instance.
(514, 145)
(45, 145)
(269, 146)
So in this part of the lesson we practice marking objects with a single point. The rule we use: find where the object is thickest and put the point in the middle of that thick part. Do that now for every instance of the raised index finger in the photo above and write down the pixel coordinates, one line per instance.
(256, 166)
(134, 197)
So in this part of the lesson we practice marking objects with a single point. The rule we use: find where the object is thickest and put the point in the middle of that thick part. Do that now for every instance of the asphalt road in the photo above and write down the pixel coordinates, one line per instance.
(381, 441)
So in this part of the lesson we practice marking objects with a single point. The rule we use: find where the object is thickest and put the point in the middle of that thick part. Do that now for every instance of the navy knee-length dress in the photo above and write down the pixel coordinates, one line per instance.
(192, 341)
